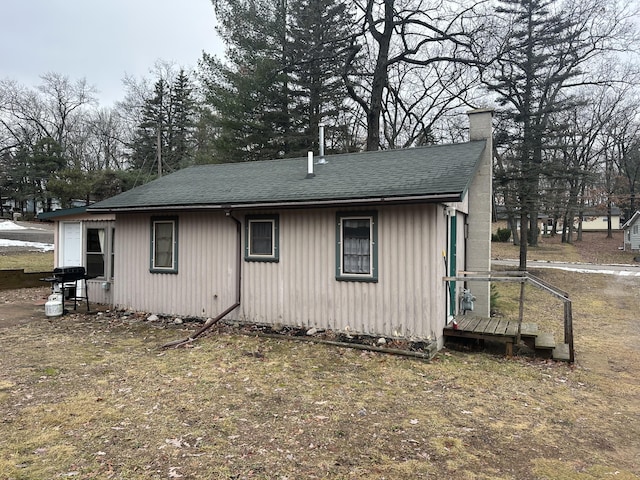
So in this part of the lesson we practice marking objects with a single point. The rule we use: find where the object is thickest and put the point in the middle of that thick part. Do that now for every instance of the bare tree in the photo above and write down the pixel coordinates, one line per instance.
(544, 49)
(419, 33)
(625, 139)
(418, 98)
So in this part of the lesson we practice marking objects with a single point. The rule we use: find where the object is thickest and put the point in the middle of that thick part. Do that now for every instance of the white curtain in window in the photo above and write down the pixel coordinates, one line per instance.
(356, 248)
(95, 251)
(101, 240)
(163, 245)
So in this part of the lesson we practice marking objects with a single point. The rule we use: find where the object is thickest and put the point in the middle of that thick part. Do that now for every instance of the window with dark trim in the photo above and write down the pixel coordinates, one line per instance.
(95, 251)
(261, 238)
(164, 245)
(357, 246)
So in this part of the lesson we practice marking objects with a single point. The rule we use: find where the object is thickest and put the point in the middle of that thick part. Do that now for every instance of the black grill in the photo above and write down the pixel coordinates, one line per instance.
(69, 274)
(60, 279)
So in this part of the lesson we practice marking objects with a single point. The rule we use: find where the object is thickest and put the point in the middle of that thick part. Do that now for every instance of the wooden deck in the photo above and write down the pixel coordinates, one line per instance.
(503, 330)
(506, 331)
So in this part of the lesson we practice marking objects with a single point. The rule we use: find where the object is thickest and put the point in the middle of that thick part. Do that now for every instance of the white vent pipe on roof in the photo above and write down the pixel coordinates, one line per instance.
(321, 160)
(310, 173)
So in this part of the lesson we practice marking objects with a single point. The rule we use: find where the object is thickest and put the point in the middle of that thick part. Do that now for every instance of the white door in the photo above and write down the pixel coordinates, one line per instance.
(71, 249)
(71, 245)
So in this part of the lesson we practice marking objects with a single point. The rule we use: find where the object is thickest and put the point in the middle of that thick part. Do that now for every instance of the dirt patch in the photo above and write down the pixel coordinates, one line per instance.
(22, 306)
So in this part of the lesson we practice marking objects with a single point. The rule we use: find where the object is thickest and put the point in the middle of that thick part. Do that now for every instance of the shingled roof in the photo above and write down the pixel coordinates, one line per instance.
(433, 173)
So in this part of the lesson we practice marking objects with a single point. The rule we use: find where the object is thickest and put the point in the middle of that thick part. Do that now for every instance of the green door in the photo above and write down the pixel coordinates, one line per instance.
(453, 235)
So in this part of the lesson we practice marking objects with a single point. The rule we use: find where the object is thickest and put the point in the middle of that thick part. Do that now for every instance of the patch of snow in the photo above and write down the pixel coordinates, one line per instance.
(44, 247)
(9, 225)
(622, 273)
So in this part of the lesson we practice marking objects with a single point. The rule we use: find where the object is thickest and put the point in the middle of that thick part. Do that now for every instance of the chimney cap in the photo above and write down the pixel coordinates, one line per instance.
(481, 110)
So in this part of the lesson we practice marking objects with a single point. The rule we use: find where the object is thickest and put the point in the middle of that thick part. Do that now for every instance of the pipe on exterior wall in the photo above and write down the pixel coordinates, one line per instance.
(212, 321)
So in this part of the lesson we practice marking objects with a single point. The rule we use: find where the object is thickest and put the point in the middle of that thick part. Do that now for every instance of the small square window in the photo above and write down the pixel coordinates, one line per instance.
(261, 238)
(164, 245)
(357, 246)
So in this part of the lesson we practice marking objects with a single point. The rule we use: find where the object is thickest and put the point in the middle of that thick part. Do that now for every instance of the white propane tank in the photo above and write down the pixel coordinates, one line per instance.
(53, 306)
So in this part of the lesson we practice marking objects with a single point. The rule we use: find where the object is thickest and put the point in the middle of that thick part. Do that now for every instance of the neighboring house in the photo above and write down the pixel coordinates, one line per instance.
(632, 232)
(85, 240)
(361, 243)
(595, 218)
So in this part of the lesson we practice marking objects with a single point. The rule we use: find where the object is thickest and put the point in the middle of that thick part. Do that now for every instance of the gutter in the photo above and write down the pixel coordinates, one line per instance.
(211, 322)
(436, 198)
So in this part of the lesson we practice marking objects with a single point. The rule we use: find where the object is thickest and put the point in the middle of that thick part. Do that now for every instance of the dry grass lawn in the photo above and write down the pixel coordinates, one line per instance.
(93, 396)
(595, 247)
(27, 261)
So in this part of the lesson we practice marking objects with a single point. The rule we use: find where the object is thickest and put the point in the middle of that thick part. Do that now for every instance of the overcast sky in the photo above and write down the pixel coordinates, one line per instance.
(102, 40)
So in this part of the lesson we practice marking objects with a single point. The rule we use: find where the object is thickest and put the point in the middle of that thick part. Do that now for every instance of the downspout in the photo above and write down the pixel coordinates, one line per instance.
(212, 321)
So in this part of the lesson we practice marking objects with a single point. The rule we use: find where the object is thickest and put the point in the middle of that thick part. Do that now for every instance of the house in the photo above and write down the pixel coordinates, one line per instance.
(357, 242)
(595, 218)
(85, 240)
(632, 232)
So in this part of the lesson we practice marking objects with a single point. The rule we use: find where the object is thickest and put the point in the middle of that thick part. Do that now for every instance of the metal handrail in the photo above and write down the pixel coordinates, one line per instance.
(523, 277)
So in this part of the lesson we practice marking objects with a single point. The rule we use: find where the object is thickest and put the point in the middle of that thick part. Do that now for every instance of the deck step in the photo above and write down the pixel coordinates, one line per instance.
(561, 352)
(545, 341)
(529, 330)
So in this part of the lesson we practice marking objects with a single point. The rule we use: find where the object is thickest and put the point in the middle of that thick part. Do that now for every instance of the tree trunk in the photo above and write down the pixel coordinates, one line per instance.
(523, 244)
(379, 81)
(513, 225)
(570, 229)
(579, 236)
(533, 228)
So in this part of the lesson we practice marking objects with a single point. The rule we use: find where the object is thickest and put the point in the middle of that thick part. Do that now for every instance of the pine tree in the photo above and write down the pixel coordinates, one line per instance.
(163, 141)
(181, 123)
(319, 34)
(539, 61)
(247, 94)
(281, 78)
(148, 140)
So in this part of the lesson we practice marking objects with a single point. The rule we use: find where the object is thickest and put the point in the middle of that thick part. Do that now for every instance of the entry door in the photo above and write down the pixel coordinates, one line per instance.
(453, 270)
(71, 249)
(71, 245)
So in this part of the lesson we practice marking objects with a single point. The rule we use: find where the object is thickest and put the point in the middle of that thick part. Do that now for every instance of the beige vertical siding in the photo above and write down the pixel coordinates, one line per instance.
(98, 294)
(205, 282)
(300, 289)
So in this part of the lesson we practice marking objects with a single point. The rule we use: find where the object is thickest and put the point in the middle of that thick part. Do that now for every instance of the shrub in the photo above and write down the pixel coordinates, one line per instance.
(493, 299)
(502, 235)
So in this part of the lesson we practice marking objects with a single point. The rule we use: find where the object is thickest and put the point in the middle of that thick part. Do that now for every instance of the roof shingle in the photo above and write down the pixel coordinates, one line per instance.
(441, 170)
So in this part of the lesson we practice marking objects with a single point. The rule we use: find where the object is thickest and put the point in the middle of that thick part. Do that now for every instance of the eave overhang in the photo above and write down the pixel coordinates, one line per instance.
(325, 203)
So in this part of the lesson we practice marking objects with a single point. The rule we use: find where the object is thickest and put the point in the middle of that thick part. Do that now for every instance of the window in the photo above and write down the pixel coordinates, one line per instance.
(261, 239)
(113, 244)
(635, 229)
(357, 246)
(164, 245)
(95, 250)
